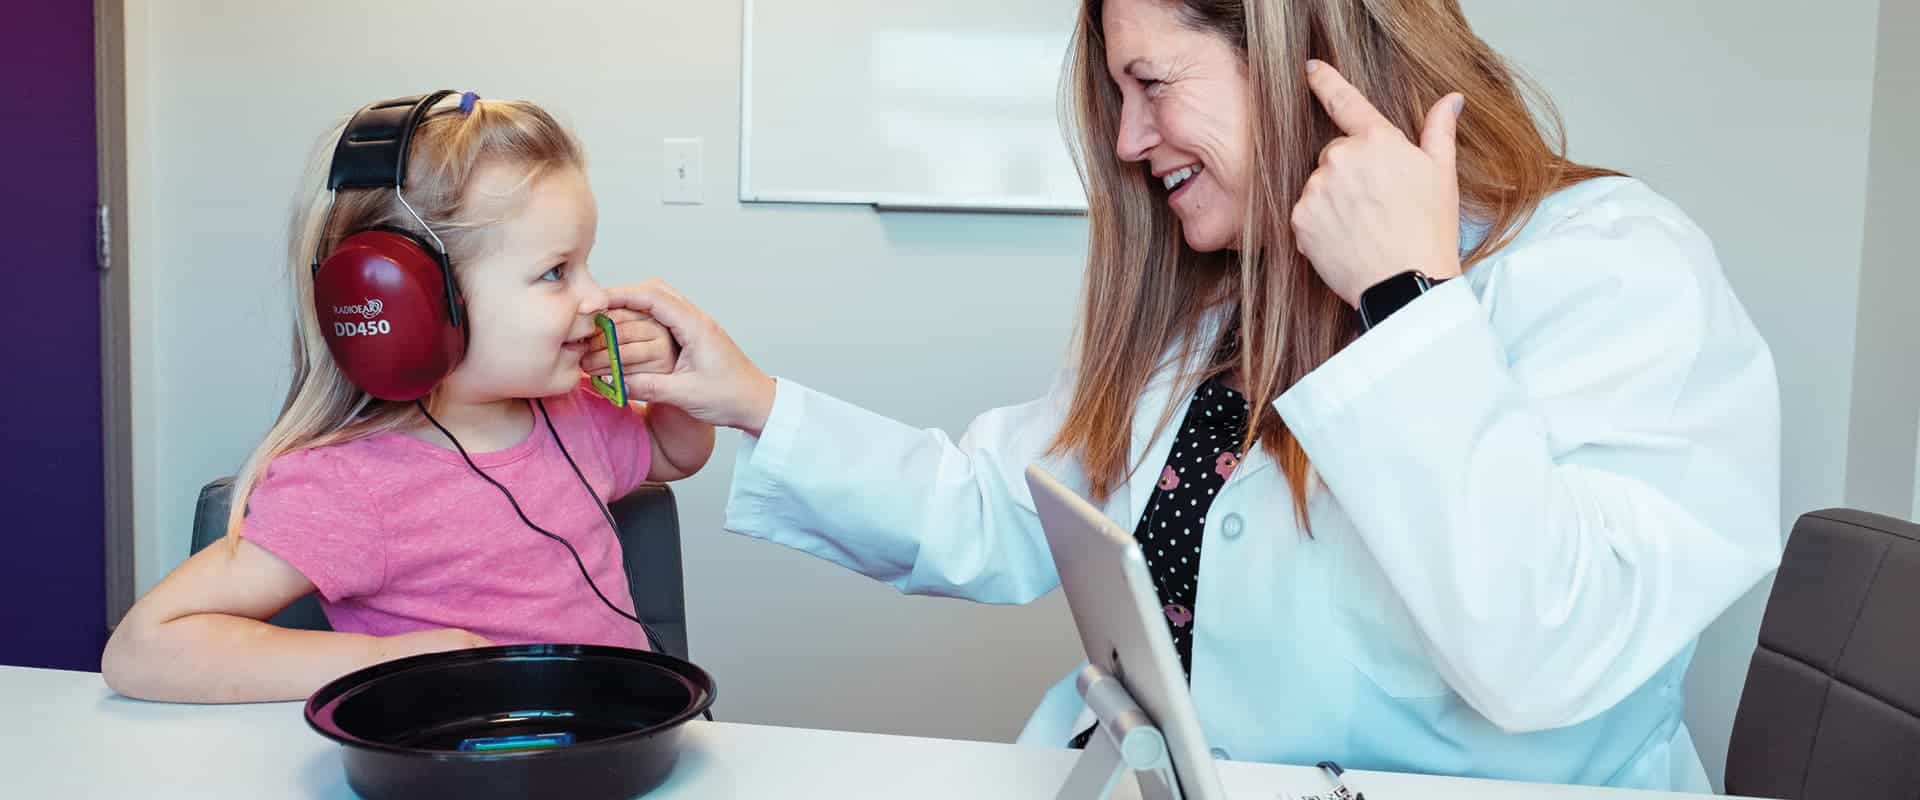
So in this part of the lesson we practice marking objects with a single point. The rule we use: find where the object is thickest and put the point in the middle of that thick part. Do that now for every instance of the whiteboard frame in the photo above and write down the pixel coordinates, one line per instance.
(880, 201)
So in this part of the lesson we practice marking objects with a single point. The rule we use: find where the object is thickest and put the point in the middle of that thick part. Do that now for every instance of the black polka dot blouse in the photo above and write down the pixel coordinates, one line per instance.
(1205, 452)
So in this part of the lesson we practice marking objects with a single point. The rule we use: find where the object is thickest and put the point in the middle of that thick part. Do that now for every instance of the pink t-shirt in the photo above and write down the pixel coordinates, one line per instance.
(399, 535)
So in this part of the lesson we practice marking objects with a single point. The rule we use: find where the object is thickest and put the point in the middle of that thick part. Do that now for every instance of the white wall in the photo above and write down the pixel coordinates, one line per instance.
(1886, 389)
(1753, 114)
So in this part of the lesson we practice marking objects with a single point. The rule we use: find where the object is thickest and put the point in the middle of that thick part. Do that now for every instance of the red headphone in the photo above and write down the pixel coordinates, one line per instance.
(386, 300)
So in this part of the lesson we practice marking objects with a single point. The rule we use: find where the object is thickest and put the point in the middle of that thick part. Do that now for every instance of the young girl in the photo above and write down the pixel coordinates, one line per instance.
(374, 503)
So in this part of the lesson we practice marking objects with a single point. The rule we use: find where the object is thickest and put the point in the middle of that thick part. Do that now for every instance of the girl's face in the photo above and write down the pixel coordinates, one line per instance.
(530, 299)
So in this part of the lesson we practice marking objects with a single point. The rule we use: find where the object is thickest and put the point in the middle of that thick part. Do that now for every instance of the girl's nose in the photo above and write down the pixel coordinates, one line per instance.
(593, 298)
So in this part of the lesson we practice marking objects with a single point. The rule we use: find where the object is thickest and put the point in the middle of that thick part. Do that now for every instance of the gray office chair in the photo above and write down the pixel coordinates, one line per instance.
(1832, 702)
(649, 527)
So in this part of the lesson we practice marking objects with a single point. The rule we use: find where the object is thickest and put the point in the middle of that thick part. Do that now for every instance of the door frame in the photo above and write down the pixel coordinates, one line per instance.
(116, 366)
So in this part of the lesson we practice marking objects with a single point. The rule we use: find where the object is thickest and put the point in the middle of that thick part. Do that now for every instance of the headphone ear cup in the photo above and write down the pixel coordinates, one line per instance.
(381, 301)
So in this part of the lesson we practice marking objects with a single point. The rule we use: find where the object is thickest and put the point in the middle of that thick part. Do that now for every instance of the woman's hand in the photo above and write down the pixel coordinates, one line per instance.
(711, 379)
(1378, 205)
(645, 346)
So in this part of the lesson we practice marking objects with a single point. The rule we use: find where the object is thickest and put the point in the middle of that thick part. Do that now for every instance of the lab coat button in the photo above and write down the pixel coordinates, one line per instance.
(1232, 525)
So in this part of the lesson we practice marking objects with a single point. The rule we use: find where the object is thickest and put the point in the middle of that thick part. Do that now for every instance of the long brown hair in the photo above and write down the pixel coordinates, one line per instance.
(1148, 295)
(322, 406)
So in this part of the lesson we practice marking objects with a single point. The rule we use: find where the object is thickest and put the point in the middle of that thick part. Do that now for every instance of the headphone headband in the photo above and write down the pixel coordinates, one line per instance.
(372, 153)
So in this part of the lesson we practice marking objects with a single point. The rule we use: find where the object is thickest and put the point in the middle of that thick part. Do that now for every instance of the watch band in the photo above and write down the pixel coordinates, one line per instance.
(1382, 299)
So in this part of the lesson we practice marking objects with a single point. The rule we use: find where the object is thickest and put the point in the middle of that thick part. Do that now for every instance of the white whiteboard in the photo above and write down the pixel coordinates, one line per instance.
(912, 104)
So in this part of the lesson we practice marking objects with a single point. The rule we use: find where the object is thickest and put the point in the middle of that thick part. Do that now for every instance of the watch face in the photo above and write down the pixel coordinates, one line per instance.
(1389, 296)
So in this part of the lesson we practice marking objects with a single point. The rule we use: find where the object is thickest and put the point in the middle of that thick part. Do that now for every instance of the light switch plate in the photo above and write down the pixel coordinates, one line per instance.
(681, 180)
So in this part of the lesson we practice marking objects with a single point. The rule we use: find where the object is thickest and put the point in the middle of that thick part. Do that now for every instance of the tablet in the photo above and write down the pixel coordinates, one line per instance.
(1121, 626)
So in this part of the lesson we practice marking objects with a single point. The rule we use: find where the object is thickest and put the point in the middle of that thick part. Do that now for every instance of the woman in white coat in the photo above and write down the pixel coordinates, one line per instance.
(1459, 444)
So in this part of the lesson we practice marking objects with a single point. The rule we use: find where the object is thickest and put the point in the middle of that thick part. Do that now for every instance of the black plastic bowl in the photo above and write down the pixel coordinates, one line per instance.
(512, 722)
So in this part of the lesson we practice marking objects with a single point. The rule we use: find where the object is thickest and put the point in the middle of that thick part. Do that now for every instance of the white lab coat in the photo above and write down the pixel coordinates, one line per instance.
(1540, 484)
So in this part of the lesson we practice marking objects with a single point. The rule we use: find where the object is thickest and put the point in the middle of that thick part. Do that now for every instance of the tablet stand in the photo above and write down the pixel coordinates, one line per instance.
(1126, 740)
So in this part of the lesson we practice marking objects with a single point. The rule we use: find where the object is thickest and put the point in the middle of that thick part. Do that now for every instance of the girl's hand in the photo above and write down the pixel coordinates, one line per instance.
(1378, 205)
(645, 346)
(712, 381)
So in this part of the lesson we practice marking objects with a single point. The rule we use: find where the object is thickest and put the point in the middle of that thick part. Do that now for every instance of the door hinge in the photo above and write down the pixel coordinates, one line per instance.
(103, 250)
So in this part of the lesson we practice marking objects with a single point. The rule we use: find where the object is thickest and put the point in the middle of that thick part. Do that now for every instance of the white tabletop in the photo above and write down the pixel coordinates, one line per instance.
(67, 736)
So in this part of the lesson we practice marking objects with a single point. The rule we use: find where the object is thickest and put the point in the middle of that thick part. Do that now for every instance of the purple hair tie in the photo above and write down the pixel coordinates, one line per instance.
(466, 102)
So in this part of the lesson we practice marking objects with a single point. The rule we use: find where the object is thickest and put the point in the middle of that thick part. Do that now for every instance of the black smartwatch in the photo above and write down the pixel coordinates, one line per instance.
(1382, 299)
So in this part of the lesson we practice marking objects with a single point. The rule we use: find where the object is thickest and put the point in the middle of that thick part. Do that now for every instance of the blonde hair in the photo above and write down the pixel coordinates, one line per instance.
(1147, 293)
(449, 148)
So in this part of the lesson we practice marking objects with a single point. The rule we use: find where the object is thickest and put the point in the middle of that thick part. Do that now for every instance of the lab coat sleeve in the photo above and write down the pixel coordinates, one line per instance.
(1568, 476)
(903, 505)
